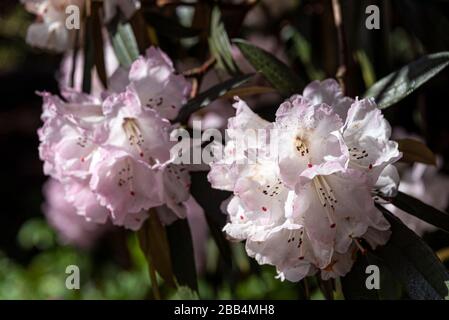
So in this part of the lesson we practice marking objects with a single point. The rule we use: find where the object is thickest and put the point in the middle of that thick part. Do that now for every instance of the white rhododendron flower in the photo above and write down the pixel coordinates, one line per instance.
(112, 155)
(50, 31)
(306, 207)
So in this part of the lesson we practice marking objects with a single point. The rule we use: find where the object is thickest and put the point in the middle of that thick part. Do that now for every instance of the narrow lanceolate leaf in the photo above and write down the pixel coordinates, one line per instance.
(413, 263)
(219, 44)
(154, 244)
(276, 72)
(206, 97)
(354, 284)
(215, 218)
(399, 84)
(88, 55)
(416, 151)
(247, 91)
(182, 254)
(125, 45)
(421, 210)
(97, 35)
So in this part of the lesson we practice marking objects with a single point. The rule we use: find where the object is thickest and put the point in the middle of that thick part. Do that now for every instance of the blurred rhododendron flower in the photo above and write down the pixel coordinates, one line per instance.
(128, 7)
(306, 207)
(113, 155)
(62, 215)
(50, 31)
(425, 183)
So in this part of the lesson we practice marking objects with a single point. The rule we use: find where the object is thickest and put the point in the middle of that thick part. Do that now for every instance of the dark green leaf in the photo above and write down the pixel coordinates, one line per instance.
(181, 252)
(219, 44)
(276, 72)
(399, 84)
(421, 210)
(215, 218)
(413, 263)
(206, 97)
(125, 45)
(97, 35)
(88, 55)
(154, 244)
(354, 283)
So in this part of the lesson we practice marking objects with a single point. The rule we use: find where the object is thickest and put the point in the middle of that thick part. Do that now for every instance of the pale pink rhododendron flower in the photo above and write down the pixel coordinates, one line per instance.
(71, 228)
(50, 31)
(157, 85)
(306, 207)
(113, 154)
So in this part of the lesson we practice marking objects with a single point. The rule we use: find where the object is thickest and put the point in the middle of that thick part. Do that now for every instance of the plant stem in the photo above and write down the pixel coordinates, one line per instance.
(342, 71)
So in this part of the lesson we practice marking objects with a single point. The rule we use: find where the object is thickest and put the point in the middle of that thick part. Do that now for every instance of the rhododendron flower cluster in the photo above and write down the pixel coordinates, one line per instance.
(309, 206)
(112, 155)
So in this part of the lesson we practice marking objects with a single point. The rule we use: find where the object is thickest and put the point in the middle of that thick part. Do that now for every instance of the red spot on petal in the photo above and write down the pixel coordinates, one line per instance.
(332, 225)
(132, 193)
(264, 209)
(310, 165)
(370, 166)
(141, 154)
(301, 258)
(173, 107)
(82, 159)
(241, 217)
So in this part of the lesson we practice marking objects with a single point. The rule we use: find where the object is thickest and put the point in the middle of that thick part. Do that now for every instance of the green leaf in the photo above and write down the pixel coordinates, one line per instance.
(366, 67)
(354, 283)
(413, 263)
(276, 72)
(206, 97)
(184, 293)
(399, 84)
(125, 45)
(302, 50)
(421, 210)
(36, 233)
(182, 254)
(219, 44)
(154, 244)
(416, 151)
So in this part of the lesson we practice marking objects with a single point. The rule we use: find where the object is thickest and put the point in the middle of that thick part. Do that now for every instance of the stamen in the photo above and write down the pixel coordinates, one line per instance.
(134, 134)
(326, 197)
(359, 246)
